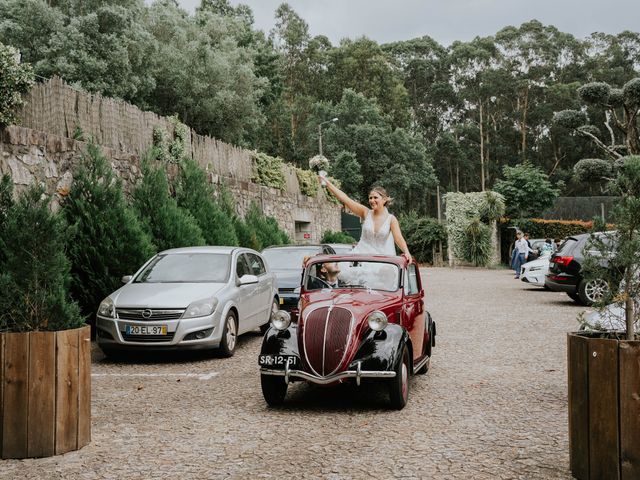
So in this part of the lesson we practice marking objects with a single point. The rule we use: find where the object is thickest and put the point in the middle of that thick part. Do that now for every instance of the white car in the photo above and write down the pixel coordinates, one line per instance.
(533, 272)
(189, 298)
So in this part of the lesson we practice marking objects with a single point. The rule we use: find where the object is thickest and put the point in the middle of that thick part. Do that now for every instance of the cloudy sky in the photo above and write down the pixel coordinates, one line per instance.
(445, 20)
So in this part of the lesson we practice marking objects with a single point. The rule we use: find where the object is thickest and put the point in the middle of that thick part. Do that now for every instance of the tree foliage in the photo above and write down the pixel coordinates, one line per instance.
(109, 240)
(527, 190)
(15, 79)
(35, 273)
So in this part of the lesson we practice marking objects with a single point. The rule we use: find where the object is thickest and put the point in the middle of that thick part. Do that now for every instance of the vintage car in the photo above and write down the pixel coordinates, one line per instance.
(372, 325)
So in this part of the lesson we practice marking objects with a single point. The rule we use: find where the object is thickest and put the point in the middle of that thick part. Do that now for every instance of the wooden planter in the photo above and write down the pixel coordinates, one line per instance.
(45, 392)
(604, 407)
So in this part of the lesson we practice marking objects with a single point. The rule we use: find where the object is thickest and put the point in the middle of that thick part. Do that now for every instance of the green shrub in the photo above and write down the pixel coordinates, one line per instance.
(266, 229)
(570, 119)
(109, 239)
(336, 237)
(34, 278)
(476, 248)
(307, 181)
(526, 190)
(196, 195)
(6, 202)
(247, 236)
(268, 171)
(15, 79)
(421, 233)
(595, 93)
(169, 225)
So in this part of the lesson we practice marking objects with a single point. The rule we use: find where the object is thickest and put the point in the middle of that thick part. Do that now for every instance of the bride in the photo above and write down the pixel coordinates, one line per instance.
(380, 229)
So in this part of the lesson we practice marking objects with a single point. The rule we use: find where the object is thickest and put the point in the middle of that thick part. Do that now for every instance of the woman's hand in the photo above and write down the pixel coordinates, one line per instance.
(408, 256)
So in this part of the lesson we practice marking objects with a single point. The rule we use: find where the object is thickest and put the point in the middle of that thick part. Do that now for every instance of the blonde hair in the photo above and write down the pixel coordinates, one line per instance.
(383, 193)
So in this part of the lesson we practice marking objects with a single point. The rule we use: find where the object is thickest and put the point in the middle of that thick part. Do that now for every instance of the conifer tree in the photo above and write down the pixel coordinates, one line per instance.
(35, 272)
(196, 195)
(169, 225)
(109, 239)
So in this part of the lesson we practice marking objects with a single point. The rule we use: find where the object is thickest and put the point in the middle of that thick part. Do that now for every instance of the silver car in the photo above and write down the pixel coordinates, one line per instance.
(189, 298)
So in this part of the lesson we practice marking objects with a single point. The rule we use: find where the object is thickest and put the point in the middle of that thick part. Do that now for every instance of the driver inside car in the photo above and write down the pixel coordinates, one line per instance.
(326, 276)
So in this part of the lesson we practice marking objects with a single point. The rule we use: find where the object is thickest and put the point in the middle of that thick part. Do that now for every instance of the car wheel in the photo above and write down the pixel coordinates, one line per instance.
(229, 335)
(399, 386)
(275, 306)
(592, 291)
(574, 297)
(274, 389)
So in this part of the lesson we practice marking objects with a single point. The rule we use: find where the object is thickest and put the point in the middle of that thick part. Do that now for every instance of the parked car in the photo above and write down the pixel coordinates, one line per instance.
(373, 325)
(565, 271)
(285, 261)
(189, 298)
(341, 248)
(534, 272)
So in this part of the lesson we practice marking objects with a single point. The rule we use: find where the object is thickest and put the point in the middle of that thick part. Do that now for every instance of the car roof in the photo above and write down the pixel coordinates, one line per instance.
(206, 249)
(293, 247)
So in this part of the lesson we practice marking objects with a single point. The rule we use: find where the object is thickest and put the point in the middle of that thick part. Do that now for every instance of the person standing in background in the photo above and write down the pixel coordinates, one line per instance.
(523, 250)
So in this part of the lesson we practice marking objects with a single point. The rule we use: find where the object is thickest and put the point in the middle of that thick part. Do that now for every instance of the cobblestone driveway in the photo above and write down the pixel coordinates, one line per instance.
(493, 405)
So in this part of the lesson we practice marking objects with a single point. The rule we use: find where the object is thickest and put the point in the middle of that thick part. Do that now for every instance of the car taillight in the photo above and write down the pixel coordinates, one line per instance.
(564, 261)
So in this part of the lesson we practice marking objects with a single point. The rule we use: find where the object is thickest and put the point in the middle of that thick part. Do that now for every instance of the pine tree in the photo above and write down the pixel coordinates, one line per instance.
(169, 225)
(35, 273)
(196, 195)
(109, 239)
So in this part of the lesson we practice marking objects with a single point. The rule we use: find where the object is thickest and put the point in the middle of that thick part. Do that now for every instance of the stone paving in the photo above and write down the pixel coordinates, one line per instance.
(493, 405)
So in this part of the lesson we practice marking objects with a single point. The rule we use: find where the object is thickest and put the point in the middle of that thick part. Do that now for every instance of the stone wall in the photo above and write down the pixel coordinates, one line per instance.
(34, 156)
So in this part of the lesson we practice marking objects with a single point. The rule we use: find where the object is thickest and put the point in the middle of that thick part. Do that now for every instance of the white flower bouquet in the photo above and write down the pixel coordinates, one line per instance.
(319, 164)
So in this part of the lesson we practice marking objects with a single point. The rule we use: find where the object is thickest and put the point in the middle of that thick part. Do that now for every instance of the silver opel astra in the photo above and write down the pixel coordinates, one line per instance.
(189, 298)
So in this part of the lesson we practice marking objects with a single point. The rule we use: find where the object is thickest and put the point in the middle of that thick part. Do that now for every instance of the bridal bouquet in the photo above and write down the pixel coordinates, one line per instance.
(319, 164)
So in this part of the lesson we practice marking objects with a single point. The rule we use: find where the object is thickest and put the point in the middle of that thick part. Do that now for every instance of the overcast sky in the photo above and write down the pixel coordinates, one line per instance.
(445, 20)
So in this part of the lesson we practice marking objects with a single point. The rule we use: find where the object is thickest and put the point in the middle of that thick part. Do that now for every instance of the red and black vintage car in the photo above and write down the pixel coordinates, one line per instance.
(361, 317)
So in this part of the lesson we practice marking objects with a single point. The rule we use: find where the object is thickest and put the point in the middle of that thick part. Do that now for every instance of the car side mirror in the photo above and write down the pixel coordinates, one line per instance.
(126, 278)
(248, 280)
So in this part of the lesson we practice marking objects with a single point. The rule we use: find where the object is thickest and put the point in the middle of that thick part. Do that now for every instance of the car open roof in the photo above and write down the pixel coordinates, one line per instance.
(350, 257)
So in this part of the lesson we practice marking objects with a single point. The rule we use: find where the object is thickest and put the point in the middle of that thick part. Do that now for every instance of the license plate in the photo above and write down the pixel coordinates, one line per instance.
(146, 330)
(278, 361)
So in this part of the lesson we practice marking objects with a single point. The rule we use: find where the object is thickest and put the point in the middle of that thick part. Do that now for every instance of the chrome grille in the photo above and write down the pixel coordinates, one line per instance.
(148, 314)
(326, 336)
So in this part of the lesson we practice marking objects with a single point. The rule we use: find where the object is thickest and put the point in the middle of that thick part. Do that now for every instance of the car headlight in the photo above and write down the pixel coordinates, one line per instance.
(281, 320)
(107, 308)
(201, 308)
(378, 321)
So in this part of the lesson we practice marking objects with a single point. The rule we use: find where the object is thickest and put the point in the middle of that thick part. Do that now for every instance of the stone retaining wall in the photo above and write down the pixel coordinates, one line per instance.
(34, 156)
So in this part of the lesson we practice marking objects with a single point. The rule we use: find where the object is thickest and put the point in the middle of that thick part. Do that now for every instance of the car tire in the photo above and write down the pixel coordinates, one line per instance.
(574, 297)
(274, 389)
(591, 291)
(275, 306)
(229, 335)
(399, 385)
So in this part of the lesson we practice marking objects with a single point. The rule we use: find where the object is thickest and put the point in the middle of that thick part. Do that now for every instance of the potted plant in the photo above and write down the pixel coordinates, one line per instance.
(604, 357)
(45, 357)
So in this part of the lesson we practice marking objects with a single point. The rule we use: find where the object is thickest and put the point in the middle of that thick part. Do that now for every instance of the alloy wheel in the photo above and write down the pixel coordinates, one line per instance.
(596, 289)
(231, 332)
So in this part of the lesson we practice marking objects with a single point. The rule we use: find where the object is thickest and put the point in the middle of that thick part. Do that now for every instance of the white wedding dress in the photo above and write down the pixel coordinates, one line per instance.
(376, 243)
(372, 275)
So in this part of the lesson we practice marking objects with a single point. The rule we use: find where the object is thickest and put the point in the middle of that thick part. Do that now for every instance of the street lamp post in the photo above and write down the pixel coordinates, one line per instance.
(320, 133)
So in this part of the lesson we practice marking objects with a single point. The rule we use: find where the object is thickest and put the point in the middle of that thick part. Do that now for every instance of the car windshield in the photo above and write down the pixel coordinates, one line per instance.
(186, 268)
(287, 258)
(341, 249)
(348, 274)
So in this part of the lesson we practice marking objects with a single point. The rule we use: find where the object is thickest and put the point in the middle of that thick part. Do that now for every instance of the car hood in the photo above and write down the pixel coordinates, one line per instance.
(360, 302)
(163, 295)
(288, 278)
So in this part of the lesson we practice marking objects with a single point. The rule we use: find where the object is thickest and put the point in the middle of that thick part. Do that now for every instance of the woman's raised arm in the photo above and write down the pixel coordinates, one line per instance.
(357, 208)
(398, 238)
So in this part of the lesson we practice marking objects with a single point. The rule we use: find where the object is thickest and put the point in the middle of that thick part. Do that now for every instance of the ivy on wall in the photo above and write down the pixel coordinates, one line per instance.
(307, 181)
(468, 216)
(268, 170)
(15, 79)
(170, 151)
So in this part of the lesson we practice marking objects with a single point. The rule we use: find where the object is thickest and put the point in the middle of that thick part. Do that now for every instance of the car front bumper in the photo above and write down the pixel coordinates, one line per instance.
(300, 374)
(111, 334)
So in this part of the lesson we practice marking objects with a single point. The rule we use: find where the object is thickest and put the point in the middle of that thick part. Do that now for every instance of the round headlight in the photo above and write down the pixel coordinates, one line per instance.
(377, 321)
(281, 320)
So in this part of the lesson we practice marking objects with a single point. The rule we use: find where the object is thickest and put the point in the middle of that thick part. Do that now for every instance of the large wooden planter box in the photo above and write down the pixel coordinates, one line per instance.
(604, 408)
(45, 392)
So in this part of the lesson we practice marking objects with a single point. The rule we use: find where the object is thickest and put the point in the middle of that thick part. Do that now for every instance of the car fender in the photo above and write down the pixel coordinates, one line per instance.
(281, 342)
(379, 351)
(225, 311)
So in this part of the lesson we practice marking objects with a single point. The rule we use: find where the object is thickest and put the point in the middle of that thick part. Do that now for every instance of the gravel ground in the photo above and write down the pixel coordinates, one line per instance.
(493, 405)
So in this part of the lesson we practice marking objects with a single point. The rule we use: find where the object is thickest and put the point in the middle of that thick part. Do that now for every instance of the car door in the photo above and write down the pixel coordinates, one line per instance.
(413, 314)
(263, 290)
(248, 304)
